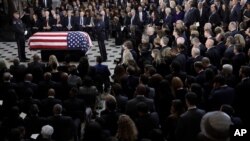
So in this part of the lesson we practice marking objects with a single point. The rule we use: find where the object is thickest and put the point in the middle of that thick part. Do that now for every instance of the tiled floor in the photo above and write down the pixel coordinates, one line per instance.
(8, 51)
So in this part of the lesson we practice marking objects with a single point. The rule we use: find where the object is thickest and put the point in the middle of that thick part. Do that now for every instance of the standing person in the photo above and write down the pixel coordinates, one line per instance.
(20, 33)
(100, 30)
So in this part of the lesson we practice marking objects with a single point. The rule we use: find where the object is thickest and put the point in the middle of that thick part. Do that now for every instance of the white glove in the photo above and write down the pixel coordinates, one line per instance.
(25, 32)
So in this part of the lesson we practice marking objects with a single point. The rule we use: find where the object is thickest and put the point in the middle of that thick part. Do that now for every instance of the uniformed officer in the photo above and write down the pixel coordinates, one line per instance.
(20, 33)
(100, 34)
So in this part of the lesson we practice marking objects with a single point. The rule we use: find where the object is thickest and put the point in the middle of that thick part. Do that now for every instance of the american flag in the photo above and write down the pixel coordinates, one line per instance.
(75, 40)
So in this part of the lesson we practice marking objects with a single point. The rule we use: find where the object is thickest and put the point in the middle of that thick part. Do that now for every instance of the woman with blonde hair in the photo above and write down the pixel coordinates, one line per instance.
(52, 61)
(127, 130)
(239, 39)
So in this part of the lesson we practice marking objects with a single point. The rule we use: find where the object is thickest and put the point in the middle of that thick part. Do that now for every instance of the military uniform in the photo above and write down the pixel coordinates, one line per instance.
(100, 31)
(19, 30)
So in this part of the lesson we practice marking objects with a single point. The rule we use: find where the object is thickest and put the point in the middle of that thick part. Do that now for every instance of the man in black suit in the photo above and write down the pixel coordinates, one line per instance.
(242, 92)
(188, 125)
(48, 103)
(63, 125)
(45, 85)
(214, 17)
(102, 75)
(105, 19)
(192, 15)
(239, 59)
(142, 16)
(140, 93)
(195, 56)
(200, 77)
(134, 19)
(220, 94)
(69, 21)
(45, 3)
(36, 68)
(75, 107)
(20, 32)
(180, 57)
(212, 53)
(121, 100)
(100, 32)
(80, 22)
(235, 14)
(18, 70)
(27, 83)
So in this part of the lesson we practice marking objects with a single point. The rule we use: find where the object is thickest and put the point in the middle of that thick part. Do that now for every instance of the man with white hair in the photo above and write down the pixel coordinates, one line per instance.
(197, 44)
(195, 56)
(46, 133)
(227, 72)
(232, 27)
(212, 53)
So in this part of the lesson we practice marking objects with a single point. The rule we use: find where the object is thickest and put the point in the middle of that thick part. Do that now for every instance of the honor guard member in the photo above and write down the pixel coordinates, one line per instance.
(20, 33)
(100, 34)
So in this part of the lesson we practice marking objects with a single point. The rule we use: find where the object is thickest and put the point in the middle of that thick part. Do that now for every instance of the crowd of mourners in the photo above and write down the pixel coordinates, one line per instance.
(183, 74)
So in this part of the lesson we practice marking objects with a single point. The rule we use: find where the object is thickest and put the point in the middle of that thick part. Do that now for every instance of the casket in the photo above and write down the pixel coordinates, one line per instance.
(75, 44)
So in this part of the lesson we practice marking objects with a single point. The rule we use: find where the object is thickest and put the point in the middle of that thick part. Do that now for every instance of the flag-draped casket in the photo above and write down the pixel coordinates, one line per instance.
(74, 40)
(61, 44)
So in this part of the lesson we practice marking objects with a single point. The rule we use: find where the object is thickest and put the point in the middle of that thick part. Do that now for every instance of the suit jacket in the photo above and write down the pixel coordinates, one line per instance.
(37, 70)
(50, 22)
(144, 18)
(22, 86)
(220, 96)
(100, 28)
(235, 14)
(221, 47)
(241, 100)
(63, 127)
(131, 105)
(47, 105)
(181, 58)
(188, 125)
(214, 19)
(237, 61)
(42, 4)
(74, 107)
(18, 72)
(121, 103)
(214, 56)
(102, 71)
(168, 20)
(66, 22)
(78, 25)
(135, 21)
(191, 16)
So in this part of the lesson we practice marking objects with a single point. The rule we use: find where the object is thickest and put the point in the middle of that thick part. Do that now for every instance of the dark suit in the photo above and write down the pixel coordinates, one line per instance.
(192, 16)
(221, 47)
(229, 52)
(121, 103)
(18, 72)
(188, 125)
(190, 64)
(101, 36)
(47, 22)
(47, 105)
(37, 70)
(235, 14)
(237, 61)
(79, 23)
(131, 105)
(220, 96)
(43, 5)
(214, 56)
(23, 86)
(201, 78)
(181, 59)
(242, 100)
(168, 20)
(102, 77)
(19, 29)
(69, 21)
(63, 128)
(74, 107)
(214, 19)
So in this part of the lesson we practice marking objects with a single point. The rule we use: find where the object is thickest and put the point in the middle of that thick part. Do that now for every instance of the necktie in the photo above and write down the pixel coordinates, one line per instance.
(69, 24)
(81, 23)
(45, 3)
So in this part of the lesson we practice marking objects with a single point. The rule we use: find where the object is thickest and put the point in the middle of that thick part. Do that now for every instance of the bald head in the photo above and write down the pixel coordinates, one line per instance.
(51, 92)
